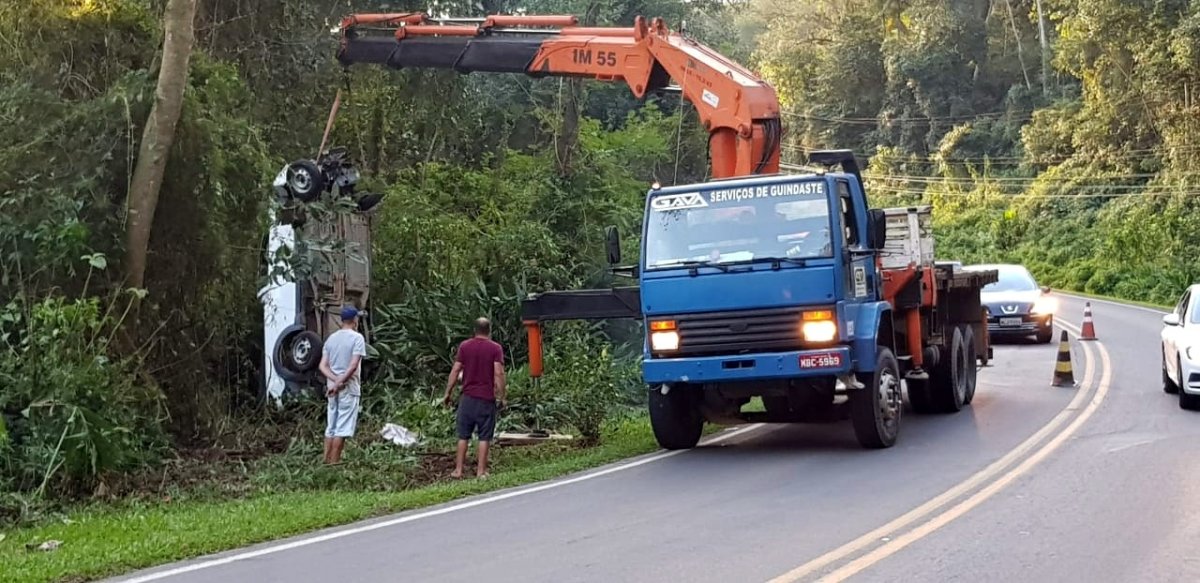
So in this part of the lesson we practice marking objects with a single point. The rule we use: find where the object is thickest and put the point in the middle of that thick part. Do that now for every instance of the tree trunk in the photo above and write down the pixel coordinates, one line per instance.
(1017, 37)
(572, 102)
(158, 135)
(1045, 49)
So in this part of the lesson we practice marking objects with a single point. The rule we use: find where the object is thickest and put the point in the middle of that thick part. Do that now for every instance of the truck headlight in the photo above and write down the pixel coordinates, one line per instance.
(819, 331)
(1046, 305)
(664, 341)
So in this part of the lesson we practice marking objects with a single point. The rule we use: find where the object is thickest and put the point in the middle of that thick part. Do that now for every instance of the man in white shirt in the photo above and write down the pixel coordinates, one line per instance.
(340, 360)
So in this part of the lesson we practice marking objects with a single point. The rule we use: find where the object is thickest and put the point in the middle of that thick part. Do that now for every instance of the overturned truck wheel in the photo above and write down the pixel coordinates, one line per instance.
(675, 416)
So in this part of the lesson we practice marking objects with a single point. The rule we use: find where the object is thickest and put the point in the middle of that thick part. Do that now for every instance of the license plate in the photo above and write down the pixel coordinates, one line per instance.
(826, 360)
(1010, 321)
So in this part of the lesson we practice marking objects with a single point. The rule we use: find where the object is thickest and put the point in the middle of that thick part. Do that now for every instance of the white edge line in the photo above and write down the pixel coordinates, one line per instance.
(1113, 303)
(427, 514)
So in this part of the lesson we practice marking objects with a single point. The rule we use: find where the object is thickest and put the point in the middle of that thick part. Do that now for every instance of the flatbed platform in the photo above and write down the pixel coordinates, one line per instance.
(949, 278)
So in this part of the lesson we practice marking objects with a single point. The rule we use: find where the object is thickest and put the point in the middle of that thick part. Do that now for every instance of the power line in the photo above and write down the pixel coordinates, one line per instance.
(1016, 115)
(1067, 181)
(924, 193)
(874, 184)
(1141, 154)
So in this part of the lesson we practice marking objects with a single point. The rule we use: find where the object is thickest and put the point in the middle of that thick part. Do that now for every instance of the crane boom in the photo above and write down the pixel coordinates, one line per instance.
(739, 109)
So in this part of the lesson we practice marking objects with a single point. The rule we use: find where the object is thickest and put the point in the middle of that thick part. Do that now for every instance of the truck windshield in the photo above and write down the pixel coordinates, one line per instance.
(782, 221)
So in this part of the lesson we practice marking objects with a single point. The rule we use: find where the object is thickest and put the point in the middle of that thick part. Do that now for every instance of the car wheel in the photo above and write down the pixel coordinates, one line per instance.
(1046, 335)
(1169, 385)
(305, 181)
(300, 351)
(1186, 401)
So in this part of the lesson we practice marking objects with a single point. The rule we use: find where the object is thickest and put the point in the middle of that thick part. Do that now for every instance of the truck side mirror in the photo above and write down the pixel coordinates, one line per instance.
(613, 244)
(877, 227)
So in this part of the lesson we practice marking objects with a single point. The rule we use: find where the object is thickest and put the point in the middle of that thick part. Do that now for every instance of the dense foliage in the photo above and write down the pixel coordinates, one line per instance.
(1074, 156)
(1086, 174)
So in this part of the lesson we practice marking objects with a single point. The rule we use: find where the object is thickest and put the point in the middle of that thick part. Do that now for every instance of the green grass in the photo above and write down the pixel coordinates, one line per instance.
(107, 540)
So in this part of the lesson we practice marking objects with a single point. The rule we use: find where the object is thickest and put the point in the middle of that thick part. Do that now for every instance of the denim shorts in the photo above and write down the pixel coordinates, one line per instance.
(341, 415)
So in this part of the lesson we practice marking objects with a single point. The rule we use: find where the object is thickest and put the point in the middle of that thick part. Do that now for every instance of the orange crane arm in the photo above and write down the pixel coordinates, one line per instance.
(739, 109)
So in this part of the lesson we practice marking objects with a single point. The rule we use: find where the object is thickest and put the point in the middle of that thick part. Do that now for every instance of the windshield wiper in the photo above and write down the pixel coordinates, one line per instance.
(693, 264)
(776, 261)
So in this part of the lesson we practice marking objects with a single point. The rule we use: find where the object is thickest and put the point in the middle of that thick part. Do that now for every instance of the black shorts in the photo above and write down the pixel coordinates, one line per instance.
(476, 415)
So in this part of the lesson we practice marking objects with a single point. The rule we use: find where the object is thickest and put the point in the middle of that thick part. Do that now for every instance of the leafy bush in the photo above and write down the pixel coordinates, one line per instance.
(72, 413)
(583, 384)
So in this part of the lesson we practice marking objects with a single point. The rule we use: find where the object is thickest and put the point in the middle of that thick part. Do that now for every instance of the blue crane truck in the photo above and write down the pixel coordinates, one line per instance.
(792, 289)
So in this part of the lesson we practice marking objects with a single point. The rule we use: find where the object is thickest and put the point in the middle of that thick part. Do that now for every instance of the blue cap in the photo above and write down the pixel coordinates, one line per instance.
(349, 313)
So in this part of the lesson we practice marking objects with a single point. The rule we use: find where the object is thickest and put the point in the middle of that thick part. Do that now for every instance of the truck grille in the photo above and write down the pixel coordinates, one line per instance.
(773, 330)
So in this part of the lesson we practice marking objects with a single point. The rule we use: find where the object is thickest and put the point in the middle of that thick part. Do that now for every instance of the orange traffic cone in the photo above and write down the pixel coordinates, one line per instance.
(1089, 329)
(1063, 375)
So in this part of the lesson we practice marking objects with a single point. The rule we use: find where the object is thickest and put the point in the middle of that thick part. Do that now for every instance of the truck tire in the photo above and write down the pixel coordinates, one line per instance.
(875, 409)
(948, 381)
(918, 396)
(780, 409)
(972, 369)
(675, 417)
(808, 402)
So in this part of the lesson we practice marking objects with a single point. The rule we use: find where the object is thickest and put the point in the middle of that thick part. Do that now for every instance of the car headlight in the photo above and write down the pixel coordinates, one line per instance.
(664, 341)
(1188, 352)
(1046, 305)
(819, 331)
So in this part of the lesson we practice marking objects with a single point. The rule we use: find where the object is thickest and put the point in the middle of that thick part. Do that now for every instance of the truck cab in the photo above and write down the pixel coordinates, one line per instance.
(767, 277)
(764, 286)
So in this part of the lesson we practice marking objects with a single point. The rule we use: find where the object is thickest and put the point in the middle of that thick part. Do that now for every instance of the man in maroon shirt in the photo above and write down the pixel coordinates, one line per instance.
(481, 362)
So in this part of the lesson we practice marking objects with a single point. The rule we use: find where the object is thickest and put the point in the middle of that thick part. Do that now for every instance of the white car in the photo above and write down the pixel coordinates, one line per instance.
(298, 315)
(1181, 350)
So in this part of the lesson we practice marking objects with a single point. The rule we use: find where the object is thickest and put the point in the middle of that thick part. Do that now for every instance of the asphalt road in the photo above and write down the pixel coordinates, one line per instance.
(1031, 482)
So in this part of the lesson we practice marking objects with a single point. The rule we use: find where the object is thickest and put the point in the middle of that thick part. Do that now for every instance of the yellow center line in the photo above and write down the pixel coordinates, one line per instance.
(979, 478)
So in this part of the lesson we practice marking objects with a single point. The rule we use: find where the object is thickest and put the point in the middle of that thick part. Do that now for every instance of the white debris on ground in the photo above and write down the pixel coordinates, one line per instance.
(399, 435)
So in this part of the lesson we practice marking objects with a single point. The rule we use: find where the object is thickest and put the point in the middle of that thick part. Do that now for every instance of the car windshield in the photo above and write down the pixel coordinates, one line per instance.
(1012, 279)
(787, 221)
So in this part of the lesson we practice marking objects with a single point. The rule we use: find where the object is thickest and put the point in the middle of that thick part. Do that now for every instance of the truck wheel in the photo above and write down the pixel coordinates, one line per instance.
(780, 408)
(675, 416)
(918, 396)
(972, 369)
(948, 382)
(875, 409)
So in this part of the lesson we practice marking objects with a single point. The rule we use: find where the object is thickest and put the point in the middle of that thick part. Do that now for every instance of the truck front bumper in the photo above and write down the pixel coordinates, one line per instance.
(743, 367)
